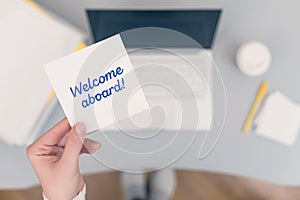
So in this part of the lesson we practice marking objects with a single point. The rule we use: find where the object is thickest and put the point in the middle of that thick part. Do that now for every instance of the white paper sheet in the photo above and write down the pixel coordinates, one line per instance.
(279, 119)
(29, 39)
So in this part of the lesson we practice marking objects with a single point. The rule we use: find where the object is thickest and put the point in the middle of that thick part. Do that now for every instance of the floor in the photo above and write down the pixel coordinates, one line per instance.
(191, 186)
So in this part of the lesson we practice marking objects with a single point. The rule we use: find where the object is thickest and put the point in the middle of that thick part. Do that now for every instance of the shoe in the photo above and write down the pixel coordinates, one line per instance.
(134, 186)
(163, 184)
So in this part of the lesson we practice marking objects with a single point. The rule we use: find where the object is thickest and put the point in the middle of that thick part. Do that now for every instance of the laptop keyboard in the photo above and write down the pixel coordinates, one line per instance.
(170, 75)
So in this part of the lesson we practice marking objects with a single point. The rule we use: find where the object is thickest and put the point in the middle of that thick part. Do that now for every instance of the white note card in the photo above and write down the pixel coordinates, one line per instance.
(279, 119)
(97, 85)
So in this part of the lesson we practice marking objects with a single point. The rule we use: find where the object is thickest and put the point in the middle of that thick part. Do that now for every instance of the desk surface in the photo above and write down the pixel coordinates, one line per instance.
(273, 22)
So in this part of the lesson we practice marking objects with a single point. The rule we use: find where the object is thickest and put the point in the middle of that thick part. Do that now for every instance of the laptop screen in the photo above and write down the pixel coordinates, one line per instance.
(198, 24)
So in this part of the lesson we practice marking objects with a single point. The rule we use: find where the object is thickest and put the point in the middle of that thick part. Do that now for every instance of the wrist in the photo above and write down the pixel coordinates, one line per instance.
(79, 196)
(81, 186)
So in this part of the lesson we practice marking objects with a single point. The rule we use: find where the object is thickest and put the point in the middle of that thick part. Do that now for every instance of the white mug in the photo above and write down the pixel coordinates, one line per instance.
(253, 58)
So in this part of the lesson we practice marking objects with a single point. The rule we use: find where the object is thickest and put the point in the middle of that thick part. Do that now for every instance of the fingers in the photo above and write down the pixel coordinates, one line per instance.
(90, 146)
(55, 134)
(73, 145)
(40, 153)
(63, 141)
(38, 148)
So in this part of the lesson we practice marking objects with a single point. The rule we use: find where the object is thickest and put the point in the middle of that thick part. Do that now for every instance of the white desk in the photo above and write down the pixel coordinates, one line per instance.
(273, 22)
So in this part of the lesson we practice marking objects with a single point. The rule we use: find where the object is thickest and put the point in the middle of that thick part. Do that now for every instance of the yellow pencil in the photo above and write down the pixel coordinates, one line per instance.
(259, 97)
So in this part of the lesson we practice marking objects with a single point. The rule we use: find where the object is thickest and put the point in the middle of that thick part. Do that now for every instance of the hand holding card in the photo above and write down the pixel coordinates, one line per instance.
(87, 83)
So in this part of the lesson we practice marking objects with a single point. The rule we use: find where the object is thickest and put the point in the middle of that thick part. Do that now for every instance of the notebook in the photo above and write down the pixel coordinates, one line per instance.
(278, 119)
(29, 39)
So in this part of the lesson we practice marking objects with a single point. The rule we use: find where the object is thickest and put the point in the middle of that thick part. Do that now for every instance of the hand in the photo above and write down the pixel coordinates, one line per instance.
(55, 159)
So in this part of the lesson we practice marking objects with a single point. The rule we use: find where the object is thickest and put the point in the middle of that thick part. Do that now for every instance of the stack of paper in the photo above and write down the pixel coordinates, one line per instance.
(279, 119)
(29, 39)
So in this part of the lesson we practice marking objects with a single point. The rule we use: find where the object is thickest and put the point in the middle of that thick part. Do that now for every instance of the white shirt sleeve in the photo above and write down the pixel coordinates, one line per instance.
(80, 196)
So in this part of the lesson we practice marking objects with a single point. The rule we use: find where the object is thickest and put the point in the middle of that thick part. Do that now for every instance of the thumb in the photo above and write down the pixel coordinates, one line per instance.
(74, 144)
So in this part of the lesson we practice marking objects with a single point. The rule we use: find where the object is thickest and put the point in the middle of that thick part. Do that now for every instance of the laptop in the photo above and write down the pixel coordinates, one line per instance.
(201, 26)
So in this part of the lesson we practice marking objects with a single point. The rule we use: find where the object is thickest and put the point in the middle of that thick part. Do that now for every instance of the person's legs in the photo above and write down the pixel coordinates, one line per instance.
(134, 186)
(163, 184)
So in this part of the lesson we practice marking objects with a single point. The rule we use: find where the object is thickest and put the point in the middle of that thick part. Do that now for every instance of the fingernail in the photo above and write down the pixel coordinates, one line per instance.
(97, 145)
(93, 147)
(80, 129)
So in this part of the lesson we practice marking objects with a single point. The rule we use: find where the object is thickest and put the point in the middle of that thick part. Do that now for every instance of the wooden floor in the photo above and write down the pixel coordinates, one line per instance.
(191, 186)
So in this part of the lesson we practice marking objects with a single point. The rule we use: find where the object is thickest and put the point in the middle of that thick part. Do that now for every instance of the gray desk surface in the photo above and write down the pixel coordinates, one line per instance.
(273, 22)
